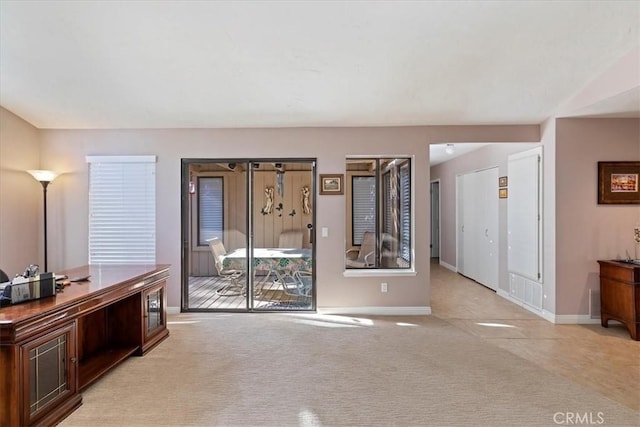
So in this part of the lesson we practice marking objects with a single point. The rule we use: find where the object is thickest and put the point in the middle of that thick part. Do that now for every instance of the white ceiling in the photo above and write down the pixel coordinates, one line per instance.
(167, 64)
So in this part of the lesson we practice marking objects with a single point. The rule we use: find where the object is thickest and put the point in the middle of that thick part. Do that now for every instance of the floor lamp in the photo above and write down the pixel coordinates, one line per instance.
(44, 177)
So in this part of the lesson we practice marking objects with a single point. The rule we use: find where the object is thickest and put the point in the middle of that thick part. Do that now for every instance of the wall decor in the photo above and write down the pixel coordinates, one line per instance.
(305, 193)
(502, 193)
(268, 201)
(618, 183)
(502, 181)
(331, 184)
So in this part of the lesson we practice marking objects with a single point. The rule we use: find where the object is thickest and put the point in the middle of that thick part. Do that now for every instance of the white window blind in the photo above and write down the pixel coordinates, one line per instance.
(210, 209)
(388, 210)
(363, 192)
(122, 209)
(405, 213)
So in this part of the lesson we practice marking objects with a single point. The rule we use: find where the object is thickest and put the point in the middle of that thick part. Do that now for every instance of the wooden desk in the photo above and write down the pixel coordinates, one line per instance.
(51, 349)
(620, 295)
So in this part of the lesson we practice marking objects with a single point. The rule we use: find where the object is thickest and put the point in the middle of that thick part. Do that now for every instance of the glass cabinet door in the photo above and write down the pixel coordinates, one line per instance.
(154, 310)
(50, 369)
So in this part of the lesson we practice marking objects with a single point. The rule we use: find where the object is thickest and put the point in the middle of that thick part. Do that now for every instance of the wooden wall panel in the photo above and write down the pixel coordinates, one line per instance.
(266, 227)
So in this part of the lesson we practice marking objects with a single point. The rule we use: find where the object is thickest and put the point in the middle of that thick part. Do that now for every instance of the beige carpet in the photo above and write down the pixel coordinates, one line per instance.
(313, 370)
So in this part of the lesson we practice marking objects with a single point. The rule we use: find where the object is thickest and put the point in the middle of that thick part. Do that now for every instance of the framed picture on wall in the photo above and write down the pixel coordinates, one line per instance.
(331, 184)
(618, 183)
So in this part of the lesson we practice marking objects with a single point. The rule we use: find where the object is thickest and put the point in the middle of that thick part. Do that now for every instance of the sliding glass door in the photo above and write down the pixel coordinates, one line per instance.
(247, 234)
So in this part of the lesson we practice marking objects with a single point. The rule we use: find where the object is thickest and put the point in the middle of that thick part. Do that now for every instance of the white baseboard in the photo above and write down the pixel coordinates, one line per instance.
(449, 266)
(560, 319)
(547, 315)
(575, 319)
(380, 311)
(504, 294)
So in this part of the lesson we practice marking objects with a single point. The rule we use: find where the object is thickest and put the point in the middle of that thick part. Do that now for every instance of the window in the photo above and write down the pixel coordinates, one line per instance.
(380, 196)
(210, 209)
(122, 209)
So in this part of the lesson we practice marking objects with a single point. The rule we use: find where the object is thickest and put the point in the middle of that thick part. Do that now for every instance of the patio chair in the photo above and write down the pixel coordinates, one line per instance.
(233, 287)
(298, 284)
(363, 257)
(290, 239)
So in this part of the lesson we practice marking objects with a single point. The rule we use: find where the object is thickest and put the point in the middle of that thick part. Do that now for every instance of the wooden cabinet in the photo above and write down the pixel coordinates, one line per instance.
(620, 295)
(53, 348)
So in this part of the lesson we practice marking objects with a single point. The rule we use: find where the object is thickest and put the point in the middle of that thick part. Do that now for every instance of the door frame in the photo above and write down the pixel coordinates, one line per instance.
(185, 223)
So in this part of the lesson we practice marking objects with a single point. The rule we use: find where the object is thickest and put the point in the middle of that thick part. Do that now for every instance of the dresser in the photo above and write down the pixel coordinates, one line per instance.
(53, 348)
(620, 294)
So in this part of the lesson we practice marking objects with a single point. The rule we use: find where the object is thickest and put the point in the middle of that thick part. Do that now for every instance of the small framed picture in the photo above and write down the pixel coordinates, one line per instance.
(502, 181)
(331, 184)
(502, 193)
(618, 183)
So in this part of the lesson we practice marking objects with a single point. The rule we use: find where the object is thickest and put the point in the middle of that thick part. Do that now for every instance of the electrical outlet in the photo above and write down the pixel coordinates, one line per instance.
(383, 287)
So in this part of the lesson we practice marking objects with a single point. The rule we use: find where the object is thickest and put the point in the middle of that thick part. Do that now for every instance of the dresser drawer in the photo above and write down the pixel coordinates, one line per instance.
(629, 273)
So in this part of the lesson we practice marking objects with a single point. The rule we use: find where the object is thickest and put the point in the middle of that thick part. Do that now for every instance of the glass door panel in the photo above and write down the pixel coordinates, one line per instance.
(282, 230)
(218, 237)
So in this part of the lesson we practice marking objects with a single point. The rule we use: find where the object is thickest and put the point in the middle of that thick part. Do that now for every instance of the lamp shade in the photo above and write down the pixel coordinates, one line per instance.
(43, 175)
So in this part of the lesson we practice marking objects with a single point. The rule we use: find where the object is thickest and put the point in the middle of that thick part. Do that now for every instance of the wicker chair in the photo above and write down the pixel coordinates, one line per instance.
(233, 287)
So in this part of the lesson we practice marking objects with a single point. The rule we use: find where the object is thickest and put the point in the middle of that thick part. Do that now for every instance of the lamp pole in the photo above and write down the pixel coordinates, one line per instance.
(44, 177)
(44, 199)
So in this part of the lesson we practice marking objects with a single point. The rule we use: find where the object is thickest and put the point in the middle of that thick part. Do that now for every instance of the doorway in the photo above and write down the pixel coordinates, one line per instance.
(435, 218)
(248, 232)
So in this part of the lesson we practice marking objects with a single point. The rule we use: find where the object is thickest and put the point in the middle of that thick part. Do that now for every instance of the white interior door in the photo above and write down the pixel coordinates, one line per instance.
(460, 224)
(489, 238)
(469, 227)
(524, 213)
(478, 226)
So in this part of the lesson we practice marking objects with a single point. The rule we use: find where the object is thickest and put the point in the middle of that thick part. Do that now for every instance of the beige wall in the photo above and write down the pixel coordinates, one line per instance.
(586, 231)
(21, 228)
(66, 151)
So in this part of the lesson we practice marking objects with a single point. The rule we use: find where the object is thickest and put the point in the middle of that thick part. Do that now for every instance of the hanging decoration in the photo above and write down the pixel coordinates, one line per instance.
(280, 182)
(305, 193)
(268, 204)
